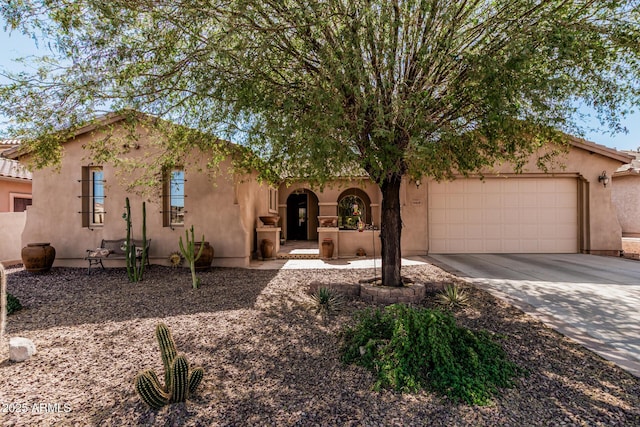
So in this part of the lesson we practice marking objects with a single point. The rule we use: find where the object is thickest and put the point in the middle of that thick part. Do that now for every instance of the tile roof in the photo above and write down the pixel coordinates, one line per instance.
(13, 169)
(8, 143)
(631, 168)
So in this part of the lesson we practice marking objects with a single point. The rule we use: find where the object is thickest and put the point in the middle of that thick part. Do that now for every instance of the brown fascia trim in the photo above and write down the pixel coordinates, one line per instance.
(594, 148)
(15, 153)
(16, 180)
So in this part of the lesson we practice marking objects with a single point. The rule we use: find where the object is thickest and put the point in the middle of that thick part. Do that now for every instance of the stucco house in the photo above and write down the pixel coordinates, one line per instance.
(15, 196)
(567, 210)
(15, 181)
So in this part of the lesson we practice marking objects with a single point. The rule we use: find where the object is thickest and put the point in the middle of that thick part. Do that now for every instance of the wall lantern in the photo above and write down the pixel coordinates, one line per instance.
(604, 179)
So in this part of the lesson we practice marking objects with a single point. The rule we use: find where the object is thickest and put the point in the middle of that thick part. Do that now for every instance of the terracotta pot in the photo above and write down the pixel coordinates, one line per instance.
(270, 220)
(266, 248)
(38, 257)
(327, 248)
(206, 258)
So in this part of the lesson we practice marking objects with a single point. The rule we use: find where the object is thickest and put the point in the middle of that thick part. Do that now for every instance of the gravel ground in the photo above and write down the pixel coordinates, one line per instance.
(267, 360)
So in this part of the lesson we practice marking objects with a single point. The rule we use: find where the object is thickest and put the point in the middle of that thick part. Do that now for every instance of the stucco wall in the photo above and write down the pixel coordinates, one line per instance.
(11, 224)
(625, 192)
(7, 187)
(600, 232)
(221, 208)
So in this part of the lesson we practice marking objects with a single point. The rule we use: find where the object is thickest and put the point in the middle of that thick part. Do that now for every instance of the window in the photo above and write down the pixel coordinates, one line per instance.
(354, 208)
(97, 196)
(18, 202)
(93, 196)
(273, 200)
(174, 198)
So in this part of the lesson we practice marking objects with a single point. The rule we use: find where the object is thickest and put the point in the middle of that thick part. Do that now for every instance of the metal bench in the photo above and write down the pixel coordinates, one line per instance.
(113, 249)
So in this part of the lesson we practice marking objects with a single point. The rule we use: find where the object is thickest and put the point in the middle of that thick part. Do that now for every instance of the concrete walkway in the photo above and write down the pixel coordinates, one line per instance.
(593, 300)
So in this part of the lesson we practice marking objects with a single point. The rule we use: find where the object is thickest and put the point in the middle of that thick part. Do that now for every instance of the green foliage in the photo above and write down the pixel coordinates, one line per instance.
(188, 251)
(179, 384)
(326, 301)
(420, 87)
(453, 296)
(13, 304)
(412, 348)
(135, 270)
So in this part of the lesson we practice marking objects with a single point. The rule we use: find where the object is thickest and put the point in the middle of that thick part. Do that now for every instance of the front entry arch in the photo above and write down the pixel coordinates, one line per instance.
(302, 215)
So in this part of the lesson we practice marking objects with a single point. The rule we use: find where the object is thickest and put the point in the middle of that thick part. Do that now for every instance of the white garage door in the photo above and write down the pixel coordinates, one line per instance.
(504, 215)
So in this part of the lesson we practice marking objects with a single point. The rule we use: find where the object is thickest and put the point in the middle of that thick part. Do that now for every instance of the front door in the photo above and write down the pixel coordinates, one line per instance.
(297, 217)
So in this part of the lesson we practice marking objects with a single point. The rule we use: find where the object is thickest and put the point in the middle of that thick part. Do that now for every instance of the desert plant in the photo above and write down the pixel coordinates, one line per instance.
(326, 301)
(188, 251)
(175, 259)
(452, 296)
(411, 348)
(13, 304)
(135, 271)
(179, 384)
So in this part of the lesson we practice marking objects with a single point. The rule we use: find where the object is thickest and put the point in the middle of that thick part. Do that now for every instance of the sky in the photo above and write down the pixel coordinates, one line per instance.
(15, 45)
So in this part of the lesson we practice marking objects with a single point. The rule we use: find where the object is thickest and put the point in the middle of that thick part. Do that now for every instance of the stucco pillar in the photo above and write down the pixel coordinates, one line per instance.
(269, 233)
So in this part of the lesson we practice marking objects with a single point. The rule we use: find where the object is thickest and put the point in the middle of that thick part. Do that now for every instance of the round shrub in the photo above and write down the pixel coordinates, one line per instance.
(412, 348)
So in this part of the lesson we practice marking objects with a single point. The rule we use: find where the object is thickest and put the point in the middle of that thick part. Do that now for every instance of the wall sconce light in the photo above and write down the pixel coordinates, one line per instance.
(418, 183)
(604, 179)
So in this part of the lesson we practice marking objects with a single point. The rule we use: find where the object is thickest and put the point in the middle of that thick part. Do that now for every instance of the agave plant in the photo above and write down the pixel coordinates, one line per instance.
(175, 259)
(326, 301)
(453, 296)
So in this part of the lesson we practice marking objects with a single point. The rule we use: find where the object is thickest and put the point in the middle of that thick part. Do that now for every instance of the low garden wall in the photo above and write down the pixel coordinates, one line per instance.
(11, 224)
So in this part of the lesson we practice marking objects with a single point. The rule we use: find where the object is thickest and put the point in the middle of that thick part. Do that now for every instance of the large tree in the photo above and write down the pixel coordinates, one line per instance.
(397, 88)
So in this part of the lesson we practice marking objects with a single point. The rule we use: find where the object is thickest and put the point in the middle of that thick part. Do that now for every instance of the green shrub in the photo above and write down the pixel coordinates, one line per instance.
(13, 304)
(413, 348)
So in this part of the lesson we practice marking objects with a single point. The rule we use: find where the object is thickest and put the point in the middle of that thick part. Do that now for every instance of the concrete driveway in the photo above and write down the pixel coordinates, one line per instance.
(591, 299)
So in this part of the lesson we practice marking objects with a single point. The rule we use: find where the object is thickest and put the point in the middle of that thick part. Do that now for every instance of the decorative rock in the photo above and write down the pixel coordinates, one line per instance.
(21, 349)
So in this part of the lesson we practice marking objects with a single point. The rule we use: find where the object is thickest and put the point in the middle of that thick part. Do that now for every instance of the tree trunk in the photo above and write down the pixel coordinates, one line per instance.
(391, 229)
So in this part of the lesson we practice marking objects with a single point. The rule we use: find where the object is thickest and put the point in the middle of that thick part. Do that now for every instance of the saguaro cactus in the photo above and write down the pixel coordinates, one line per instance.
(179, 384)
(135, 271)
(188, 250)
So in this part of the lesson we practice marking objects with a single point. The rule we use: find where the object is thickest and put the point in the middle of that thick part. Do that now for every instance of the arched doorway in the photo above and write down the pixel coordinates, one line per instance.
(302, 215)
(354, 207)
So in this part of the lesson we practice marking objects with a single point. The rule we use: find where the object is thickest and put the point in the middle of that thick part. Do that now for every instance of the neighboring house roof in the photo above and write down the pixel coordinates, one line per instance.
(6, 144)
(12, 169)
(630, 168)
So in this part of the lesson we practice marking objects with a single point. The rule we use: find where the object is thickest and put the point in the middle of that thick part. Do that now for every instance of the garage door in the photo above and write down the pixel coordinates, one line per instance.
(504, 215)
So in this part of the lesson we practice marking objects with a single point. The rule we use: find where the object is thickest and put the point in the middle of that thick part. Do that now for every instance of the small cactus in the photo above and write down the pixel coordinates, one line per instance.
(178, 383)
(188, 251)
(135, 271)
(150, 391)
